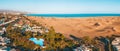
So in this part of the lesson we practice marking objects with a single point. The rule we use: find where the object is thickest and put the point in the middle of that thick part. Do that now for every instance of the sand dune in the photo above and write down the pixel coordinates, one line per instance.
(79, 27)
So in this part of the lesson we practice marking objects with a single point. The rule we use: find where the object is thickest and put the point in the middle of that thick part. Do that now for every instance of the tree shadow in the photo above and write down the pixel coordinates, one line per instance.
(75, 38)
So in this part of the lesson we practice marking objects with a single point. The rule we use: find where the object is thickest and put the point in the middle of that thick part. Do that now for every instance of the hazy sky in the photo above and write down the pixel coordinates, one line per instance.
(62, 6)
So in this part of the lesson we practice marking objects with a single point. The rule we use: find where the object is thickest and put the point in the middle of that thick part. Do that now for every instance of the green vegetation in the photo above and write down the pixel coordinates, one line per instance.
(18, 40)
(55, 40)
(52, 39)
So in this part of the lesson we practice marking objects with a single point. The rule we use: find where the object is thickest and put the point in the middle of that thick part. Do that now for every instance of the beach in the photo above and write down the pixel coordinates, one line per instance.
(79, 27)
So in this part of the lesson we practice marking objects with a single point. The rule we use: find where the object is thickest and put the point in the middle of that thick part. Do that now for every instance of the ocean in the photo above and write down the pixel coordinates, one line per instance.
(72, 15)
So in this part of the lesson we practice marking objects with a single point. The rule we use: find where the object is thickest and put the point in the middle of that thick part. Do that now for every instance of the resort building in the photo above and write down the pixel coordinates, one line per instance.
(17, 25)
(82, 48)
(32, 29)
(26, 28)
(5, 48)
(4, 40)
(116, 43)
(2, 31)
(37, 29)
(2, 20)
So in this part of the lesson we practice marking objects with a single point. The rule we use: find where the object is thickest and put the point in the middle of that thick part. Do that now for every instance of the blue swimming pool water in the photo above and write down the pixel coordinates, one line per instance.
(37, 41)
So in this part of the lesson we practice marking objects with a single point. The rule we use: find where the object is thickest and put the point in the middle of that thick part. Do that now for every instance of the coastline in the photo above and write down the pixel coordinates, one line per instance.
(73, 15)
(80, 27)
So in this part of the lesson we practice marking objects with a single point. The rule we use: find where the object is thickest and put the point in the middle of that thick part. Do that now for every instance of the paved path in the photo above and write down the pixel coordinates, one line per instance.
(9, 21)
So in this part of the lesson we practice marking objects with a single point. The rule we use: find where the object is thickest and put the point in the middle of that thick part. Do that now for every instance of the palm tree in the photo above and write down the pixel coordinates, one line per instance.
(110, 41)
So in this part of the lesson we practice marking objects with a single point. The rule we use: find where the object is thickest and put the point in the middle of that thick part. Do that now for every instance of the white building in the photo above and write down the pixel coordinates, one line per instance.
(116, 43)
(82, 48)
(4, 40)
(17, 25)
(32, 29)
(5, 48)
(37, 29)
(1, 32)
(4, 29)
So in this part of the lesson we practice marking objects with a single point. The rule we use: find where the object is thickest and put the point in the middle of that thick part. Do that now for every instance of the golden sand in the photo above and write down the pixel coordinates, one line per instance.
(79, 27)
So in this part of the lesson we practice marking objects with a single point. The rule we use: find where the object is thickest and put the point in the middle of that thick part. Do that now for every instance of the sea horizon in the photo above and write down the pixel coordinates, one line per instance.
(71, 15)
